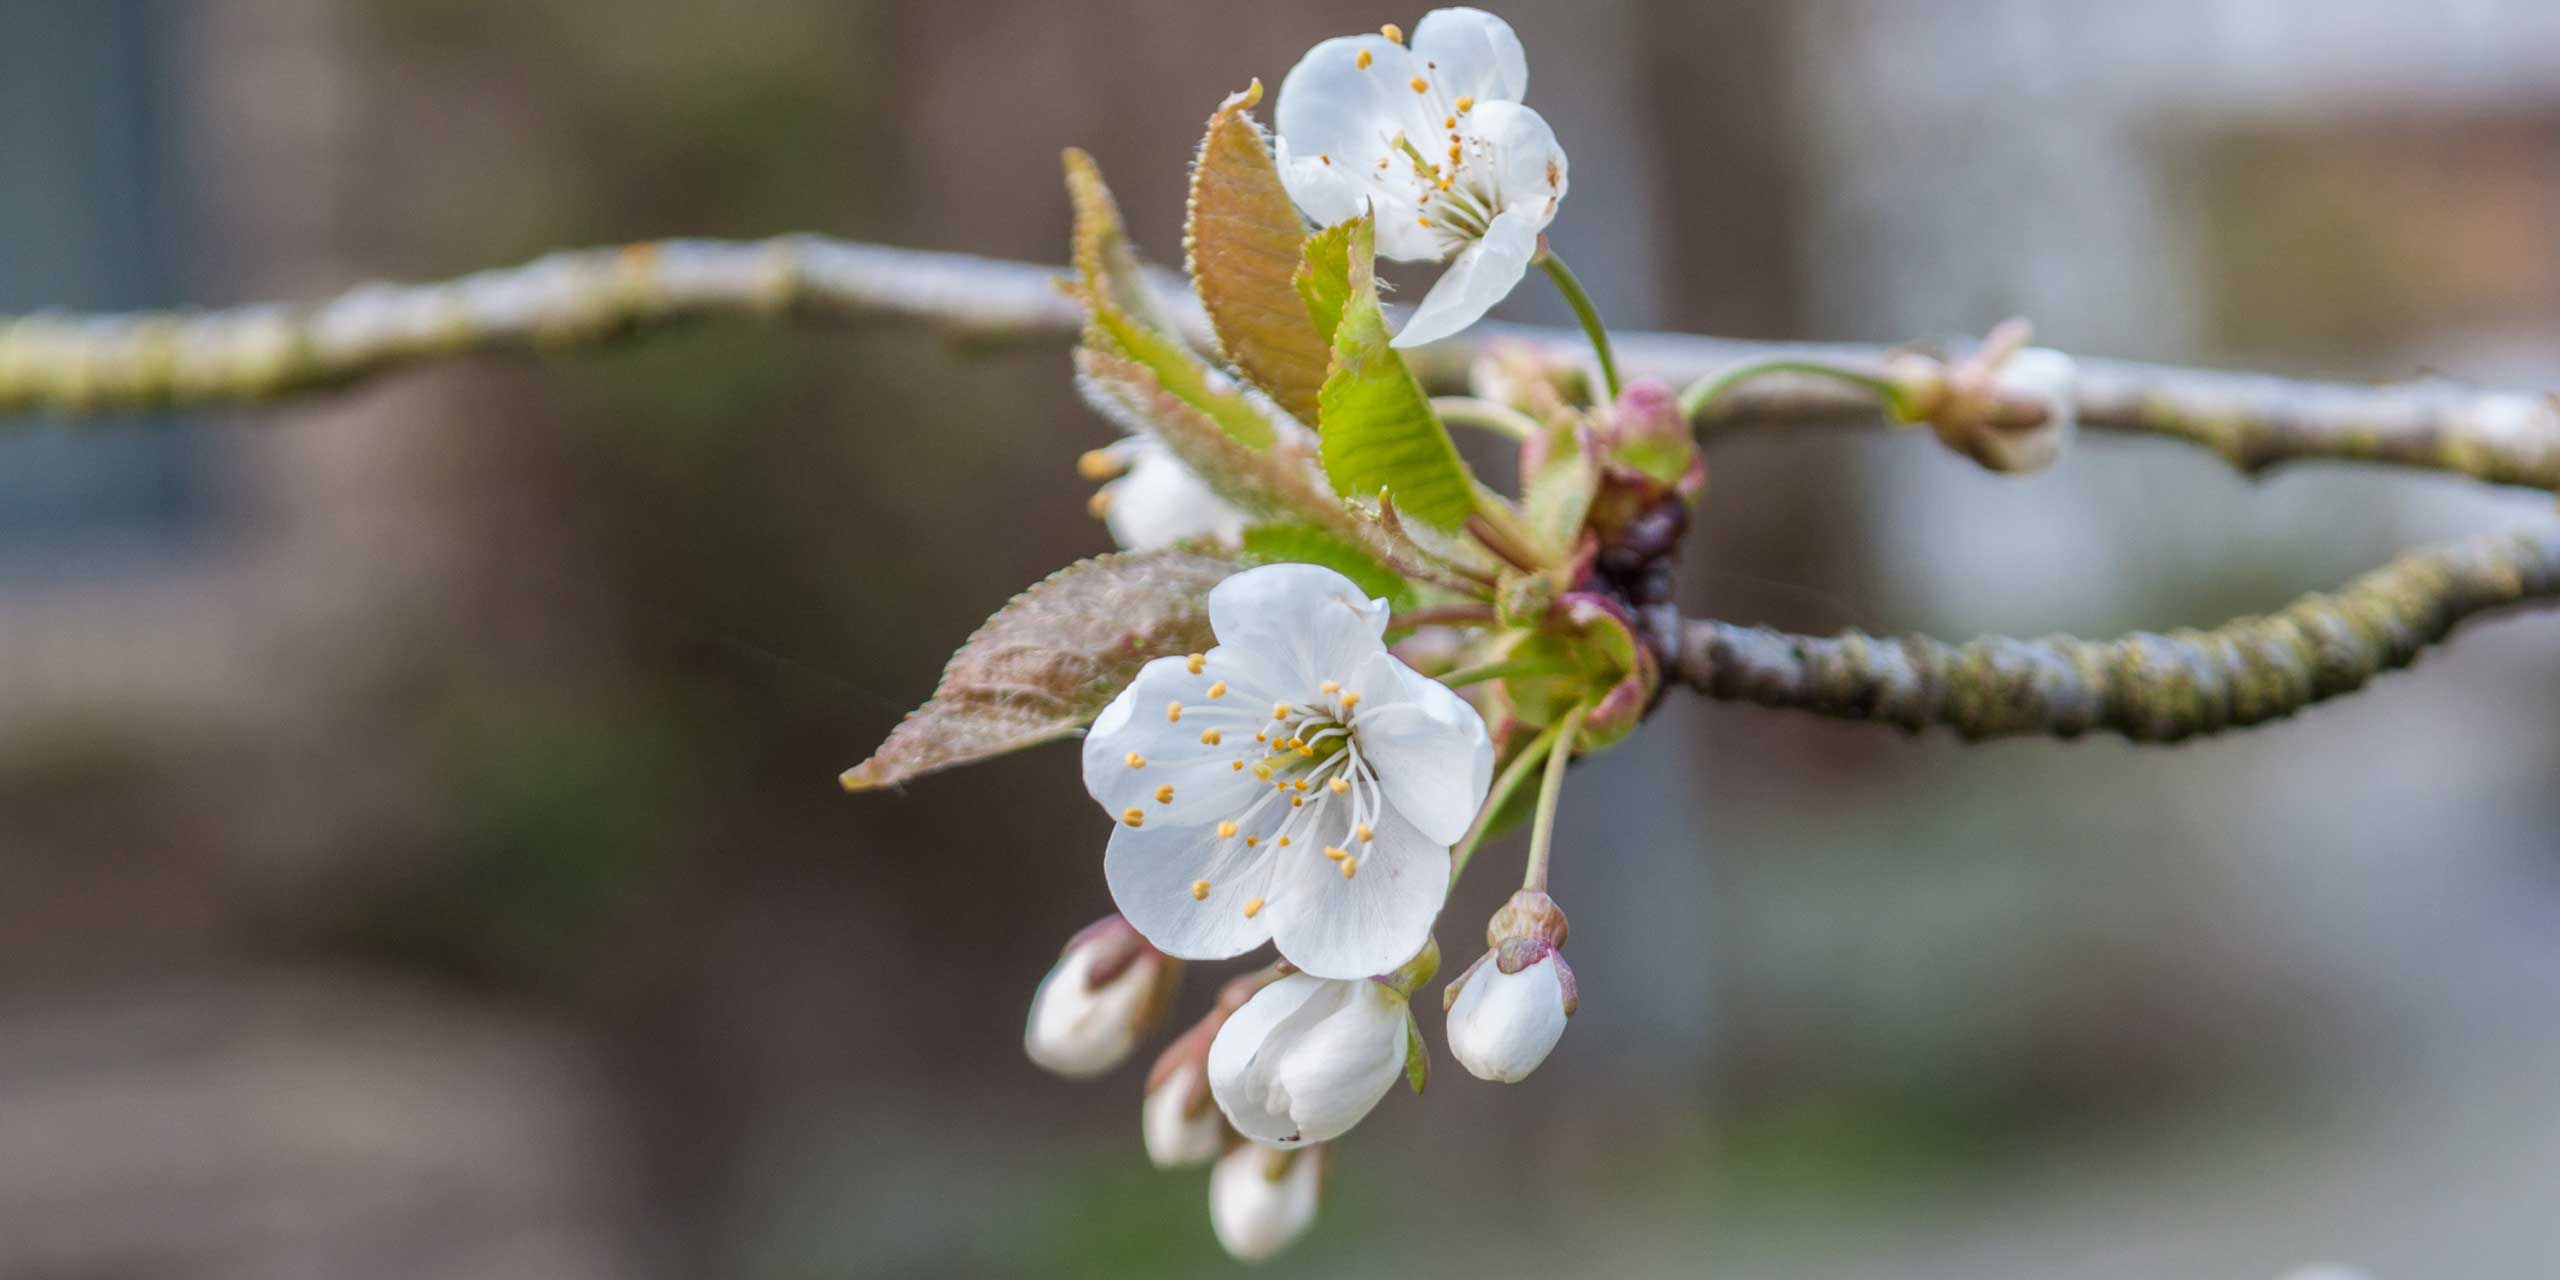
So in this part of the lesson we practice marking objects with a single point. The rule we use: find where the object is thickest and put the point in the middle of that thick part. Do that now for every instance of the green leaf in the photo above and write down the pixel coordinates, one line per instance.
(1378, 429)
(1417, 1056)
(1242, 240)
(1306, 544)
(1122, 319)
(1558, 498)
(1051, 659)
(1323, 279)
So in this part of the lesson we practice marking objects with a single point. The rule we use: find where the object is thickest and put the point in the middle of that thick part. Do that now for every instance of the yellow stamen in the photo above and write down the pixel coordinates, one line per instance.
(1218, 690)
(1284, 842)
(1466, 104)
(1237, 767)
(1366, 835)
(1307, 751)
(1350, 700)
(1199, 890)
(1336, 854)
(1164, 794)
(1393, 33)
(1339, 786)
(1421, 85)
(1453, 153)
(1450, 123)
(1137, 761)
(1208, 737)
(1226, 831)
(1251, 841)
(1350, 867)
(1173, 712)
(1363, 60)
(1297, 802)
(1299, 785)
(1101, 464)
(1279, 711)
(1330, 686)
(1192, 664)
(1252, 908)
(1134, 817)
(1099, 505)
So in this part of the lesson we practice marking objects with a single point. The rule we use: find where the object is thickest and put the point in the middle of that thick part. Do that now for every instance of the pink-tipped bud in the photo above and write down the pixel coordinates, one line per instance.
(1508, 1010)
(1108, 990)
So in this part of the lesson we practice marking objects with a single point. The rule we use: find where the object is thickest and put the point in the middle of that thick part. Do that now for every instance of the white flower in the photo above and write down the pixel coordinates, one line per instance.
(1435, 141)
(1504, 1024)
(1108, 989)
(1295, 783)
(1178, 1122)
(1307, 1057)
(1261, 1200)
(1156, 501)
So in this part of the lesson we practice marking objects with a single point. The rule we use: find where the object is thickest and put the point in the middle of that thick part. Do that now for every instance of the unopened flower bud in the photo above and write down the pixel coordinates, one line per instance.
(1262, 1199)
(1508, 1009)
(1181, 1124)
(2037, 412)
(1107, 991)
(1649, 435)
(1307, 1057)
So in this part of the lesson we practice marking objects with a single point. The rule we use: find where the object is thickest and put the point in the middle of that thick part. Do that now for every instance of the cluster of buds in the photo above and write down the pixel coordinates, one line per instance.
(1107, 992)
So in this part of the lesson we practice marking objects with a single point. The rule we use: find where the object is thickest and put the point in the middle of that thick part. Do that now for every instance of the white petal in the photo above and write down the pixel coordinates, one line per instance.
(1245, 1057)
(1153, 872)
(1256, 1215)
(1481, 276)
(1529, 168)
(1504, 1024)
(1432, 755)
(1161, 502)
(1297, 625)
(1478, 54)
(1371, 922)
(1331, 105)
(1175, 1135)
(1206, 788)
(1338, 1069)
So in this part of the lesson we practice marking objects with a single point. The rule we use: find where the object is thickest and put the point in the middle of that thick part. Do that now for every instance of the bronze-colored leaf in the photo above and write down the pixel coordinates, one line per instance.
(1243, 238)
(1051, 659)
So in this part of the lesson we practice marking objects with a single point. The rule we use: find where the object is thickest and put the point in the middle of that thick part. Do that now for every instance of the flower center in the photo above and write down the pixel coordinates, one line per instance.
(1321, 797)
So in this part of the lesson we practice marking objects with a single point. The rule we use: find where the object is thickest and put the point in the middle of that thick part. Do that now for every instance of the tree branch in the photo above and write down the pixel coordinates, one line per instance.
(2149, 688)
(85, 365)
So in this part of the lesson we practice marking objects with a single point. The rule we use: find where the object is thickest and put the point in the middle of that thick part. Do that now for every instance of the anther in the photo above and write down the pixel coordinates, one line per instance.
(1284, 842)
(1279, 711)
(1173, 712)
(1134, 817)
(1466, 104)
(1218, 690)
(1450, 123)
(1226, 831)
(1298, 785)
(1366, 835)
(1350, 867)
(1324, 157)
(1297, 802)
(1101, 464)
(1236, 767)
(1393, 33)
(1363, 60)
(1099, 505)
(1209, 737)
(1338, 786)
(1164, 794)
(1335, 853)
(1421, 85)
(1252, 841)
(1252, 908)
(1137, 761)
(1330, 686)
(1199, 890)
(1192, 664)
(1350, 700)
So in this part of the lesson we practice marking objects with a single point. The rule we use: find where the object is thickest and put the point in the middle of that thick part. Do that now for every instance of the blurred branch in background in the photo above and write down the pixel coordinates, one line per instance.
(2150, 688)
(2146, 687)
(83, 365)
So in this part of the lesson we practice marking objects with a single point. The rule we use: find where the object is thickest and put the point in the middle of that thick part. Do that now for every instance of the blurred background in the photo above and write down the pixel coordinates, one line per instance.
(419, 848)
